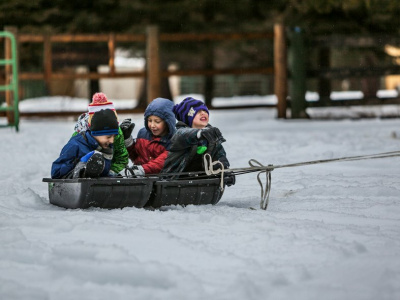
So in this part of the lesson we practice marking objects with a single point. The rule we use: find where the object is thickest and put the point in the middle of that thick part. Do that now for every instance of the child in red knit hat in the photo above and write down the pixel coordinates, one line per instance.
(99, 102)
(89, 153)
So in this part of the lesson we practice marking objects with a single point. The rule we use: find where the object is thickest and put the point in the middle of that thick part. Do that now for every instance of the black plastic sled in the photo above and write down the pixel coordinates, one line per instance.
(132, 192)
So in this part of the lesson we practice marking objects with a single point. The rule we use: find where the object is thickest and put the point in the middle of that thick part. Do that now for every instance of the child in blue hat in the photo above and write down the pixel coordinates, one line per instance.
(89, 153)
(150, 149)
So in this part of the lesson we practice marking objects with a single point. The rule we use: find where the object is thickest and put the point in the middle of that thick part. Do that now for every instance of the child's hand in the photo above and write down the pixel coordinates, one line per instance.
(212, 135)
(136, 171)
(127, 128)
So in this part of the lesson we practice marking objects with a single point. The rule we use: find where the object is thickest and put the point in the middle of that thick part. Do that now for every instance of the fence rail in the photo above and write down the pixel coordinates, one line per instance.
(152, 73)
(283, 51)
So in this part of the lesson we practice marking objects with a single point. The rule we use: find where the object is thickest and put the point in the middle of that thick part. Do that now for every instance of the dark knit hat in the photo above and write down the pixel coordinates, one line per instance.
(187, 110)
(104, 122)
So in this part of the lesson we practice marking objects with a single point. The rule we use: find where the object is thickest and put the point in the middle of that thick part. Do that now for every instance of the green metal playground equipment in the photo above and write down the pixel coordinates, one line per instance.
(12, 85)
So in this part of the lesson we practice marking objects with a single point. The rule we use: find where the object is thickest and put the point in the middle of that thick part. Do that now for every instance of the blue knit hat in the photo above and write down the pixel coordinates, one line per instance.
(187, 110)
(161, 108)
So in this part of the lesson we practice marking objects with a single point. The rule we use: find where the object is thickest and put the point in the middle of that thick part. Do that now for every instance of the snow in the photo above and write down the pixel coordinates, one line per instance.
(57, 104)
(331, 231)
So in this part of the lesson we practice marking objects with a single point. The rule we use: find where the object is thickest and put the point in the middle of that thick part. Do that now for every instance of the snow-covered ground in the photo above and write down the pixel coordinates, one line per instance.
(331, 231)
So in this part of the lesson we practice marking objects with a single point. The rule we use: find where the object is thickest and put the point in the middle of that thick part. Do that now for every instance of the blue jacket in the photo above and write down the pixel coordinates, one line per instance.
(73, 151)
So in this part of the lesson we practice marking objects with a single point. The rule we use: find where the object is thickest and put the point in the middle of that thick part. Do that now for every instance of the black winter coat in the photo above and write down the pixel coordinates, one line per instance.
(183, 156)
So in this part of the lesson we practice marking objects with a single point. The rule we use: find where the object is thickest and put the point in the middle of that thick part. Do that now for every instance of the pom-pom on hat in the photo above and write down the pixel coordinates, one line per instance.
(104, 122)
(187, 110)
(99, 102)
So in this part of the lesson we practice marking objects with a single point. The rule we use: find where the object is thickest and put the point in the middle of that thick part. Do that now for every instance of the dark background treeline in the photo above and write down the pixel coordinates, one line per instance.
(315, 17)
(102, 16)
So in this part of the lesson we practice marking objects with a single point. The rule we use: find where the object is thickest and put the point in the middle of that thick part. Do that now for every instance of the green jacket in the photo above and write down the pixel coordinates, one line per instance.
(121, 156)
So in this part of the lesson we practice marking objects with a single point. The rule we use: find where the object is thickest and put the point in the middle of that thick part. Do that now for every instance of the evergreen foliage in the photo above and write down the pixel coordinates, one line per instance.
(319, 16)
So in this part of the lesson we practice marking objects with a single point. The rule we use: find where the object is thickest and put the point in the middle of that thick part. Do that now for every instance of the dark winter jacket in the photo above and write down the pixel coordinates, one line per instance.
(147, 150)
(120, 158)
(73, 151)
(183, 155)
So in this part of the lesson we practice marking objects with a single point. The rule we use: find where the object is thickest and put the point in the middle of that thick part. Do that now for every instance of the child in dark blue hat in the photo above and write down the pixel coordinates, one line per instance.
(89, 153)
(150, 149)
(194, 138)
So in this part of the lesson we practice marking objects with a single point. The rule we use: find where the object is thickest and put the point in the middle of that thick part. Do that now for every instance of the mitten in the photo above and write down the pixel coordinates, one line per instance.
(90, 165)
(127, 127)
(138, 170)
(212, 135)
(134, 171)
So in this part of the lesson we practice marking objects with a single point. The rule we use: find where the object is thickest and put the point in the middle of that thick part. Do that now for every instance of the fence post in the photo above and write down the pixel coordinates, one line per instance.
(297, 67)
(47, 62)
(280, 69)
(9, 72)
(153, 64)
(324, 85)
(111, 53)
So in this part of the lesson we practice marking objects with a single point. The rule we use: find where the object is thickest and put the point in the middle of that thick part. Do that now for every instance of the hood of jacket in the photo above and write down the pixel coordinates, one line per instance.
(161, 108)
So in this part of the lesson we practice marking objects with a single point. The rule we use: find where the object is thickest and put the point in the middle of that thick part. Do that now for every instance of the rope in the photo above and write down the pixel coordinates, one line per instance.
(349, 158)
(264, 191)
(209, 168)
(256, 166)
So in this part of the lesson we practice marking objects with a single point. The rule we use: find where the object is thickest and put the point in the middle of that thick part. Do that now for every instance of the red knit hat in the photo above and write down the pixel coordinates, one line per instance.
(99, 102)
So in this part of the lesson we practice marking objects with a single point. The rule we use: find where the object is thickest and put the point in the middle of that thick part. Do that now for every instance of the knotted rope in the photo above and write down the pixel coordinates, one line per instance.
(209, 168)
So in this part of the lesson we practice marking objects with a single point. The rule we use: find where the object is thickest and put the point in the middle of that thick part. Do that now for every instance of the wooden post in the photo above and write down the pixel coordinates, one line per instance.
(208, 79)
(47, 62)
(280, 69)
(9, 72)
(111, 53)
(297, 66)
(324, 85)
(153, 64)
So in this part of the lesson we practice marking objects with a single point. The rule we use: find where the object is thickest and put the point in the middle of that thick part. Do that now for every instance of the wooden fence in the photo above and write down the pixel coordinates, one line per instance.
(368, 68)
(290, 54)
(153, 72)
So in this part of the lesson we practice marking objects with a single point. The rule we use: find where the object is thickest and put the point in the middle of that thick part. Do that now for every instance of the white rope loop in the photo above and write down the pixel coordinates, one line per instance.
(209, 168)
(265, 191)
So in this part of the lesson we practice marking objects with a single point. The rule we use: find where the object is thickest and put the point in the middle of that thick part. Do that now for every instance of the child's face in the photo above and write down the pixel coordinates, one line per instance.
(105, 140)
(157, 126)
(200, 119)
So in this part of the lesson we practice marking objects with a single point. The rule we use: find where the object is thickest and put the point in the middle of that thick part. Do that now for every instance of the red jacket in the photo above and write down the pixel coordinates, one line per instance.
(148, 151)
